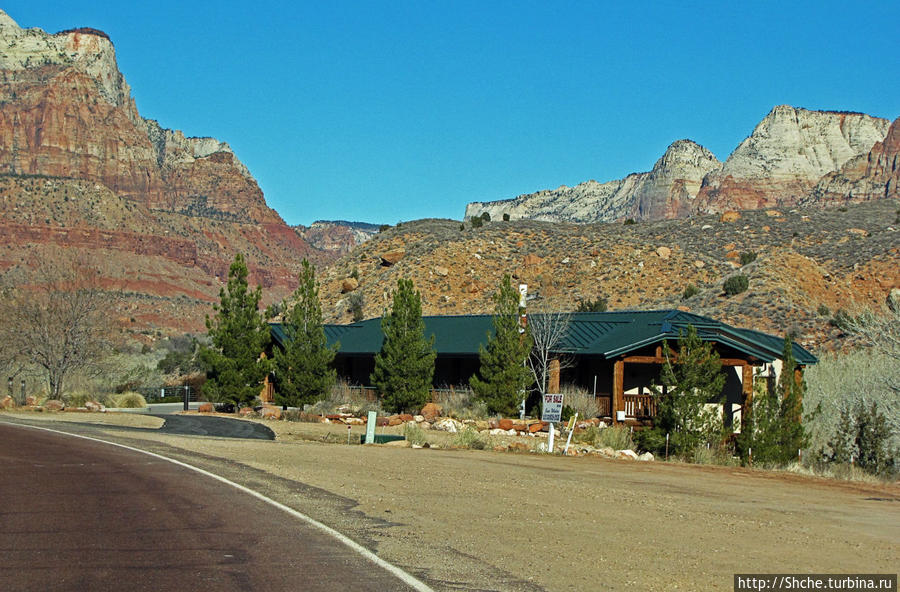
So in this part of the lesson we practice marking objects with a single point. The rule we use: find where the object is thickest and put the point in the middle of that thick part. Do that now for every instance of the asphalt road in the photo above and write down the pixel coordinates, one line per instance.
(82, 515)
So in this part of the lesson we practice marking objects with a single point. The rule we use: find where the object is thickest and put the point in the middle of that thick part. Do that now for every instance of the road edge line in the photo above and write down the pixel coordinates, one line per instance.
(405, 577)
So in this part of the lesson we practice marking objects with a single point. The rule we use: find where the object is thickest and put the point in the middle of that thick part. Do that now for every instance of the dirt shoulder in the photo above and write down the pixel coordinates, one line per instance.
(500, 521)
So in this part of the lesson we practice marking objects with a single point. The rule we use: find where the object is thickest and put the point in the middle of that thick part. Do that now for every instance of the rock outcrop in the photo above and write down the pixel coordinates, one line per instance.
(792, 156)
(667, 191)
(81, 169)
(863, 178)
(785, 156)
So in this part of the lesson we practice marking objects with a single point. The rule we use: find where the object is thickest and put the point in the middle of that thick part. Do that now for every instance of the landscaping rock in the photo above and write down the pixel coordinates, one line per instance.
(448, 424)
(94, 406)
(354, 421)
(626, 454)
(394, 421)
(245, 411)
(7, 402)
(30, 401)
(54, 405)
(270, 412)
(205, 408)
(647, 456)
(505, 424)
(607, 452)
(497, 432)
(518, 447)
(404, 417)
(419, 418)
(430, 411)
(535, 427)
(730, 217)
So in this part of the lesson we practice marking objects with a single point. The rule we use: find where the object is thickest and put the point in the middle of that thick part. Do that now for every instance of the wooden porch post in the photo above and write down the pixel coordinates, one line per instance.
(618, 389)
(747, 391)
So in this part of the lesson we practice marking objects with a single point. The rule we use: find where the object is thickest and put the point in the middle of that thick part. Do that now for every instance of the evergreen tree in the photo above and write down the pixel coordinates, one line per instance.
(792, 437)
(503, 376)
(692, 379)
(303, 369)
(238, 334)
(404, 368)
(774, 430)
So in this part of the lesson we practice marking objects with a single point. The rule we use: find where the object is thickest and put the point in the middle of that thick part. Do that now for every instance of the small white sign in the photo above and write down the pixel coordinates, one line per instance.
(552, 410)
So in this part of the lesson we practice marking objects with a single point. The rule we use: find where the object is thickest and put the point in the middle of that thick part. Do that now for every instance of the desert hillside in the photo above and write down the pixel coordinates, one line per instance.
(807, 261)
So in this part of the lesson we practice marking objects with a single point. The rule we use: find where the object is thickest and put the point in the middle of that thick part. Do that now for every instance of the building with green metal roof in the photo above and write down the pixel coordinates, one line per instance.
(614, 355)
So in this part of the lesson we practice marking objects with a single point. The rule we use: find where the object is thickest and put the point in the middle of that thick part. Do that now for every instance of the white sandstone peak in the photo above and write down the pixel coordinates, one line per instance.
(7, 21)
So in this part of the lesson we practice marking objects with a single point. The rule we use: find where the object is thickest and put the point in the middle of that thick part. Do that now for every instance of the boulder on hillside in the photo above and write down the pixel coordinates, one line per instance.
(349, 285)
(392, 257)
(664, 252)
(730, 217)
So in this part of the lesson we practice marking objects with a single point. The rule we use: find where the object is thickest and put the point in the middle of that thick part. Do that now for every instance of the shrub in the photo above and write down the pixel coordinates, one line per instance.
(689, 291)
(506, 217)
(748, 257)
(470, 438)
(130, 401)
(344, 397)
(486, 217)
(462, 227)
(863, 437)
(713, 455)
(629, 222)
(461, 404)
(383, 227)
(617, 438)
(580, 401)
(414, 434)
(476, 222)
(736, 284)
(357, 302)
(598, 305)
(78, 398)
(823, 310)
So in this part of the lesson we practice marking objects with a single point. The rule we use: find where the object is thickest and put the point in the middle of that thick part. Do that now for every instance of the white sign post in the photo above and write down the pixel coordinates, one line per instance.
(370, 427)
(552, 410)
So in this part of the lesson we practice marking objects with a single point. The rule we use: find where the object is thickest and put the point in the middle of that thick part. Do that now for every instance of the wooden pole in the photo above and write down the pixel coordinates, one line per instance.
(747, 392)
(618, 389)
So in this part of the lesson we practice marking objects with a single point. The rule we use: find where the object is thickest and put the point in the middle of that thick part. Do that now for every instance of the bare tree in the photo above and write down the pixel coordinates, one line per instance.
(548, 329)
(879, 329)
(56, 317)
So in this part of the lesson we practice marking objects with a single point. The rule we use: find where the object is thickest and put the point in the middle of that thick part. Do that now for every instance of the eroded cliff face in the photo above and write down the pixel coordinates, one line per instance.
(81, 170)
(667, 191)
(785, 156)
(66, 111)
(875, 175)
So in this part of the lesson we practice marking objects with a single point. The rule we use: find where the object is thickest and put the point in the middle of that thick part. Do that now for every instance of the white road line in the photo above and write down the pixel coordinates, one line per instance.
(406, 578)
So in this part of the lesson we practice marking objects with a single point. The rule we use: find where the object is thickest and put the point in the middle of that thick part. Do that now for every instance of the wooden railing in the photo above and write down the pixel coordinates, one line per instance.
(640, 406)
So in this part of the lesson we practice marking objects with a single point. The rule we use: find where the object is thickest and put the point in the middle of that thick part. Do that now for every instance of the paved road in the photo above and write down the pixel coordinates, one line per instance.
(200, 425)
(82, 515)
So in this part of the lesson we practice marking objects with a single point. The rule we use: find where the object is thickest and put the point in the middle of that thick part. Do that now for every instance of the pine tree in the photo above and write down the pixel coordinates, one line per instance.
(239, 334)
(503, 376)
(692, 379)
(404, 368)
(303, 369)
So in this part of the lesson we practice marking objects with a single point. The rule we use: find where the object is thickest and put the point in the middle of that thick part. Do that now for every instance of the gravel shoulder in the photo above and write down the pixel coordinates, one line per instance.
(480, 520)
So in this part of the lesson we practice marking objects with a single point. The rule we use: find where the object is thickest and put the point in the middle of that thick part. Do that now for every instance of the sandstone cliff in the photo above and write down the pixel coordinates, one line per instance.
(785, 156)
(667, 191)
(779, 164)
(81, 169)
(875, 175)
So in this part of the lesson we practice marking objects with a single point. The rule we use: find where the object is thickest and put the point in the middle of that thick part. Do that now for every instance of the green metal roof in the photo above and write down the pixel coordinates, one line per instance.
(607, 334)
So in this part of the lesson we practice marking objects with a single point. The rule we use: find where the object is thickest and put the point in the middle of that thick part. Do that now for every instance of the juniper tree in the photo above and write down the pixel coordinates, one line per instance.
(404, 368)
(503, 376)
(238, 334)
(303, 368)
(693, 378)
(774, 429)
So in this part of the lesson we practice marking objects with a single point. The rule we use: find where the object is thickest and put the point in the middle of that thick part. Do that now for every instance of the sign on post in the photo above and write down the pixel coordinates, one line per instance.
(370, 427)
(552, 410)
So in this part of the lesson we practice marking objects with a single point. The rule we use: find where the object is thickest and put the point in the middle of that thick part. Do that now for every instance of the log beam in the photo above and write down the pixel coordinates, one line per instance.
(747, 392)
(618, 389)
(661, 360)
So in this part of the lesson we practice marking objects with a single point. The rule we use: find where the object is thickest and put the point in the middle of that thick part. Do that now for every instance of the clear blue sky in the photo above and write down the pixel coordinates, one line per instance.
(389, 111)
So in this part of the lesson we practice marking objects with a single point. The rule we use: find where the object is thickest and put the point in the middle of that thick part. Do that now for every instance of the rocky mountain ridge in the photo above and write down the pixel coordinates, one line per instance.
(780, 164)
(80, 169)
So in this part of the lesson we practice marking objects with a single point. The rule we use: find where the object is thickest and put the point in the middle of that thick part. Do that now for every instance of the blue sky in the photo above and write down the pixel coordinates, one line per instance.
(390, 111)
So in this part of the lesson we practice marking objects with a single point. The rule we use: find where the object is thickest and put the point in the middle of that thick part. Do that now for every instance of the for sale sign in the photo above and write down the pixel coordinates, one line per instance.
(552, 411)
